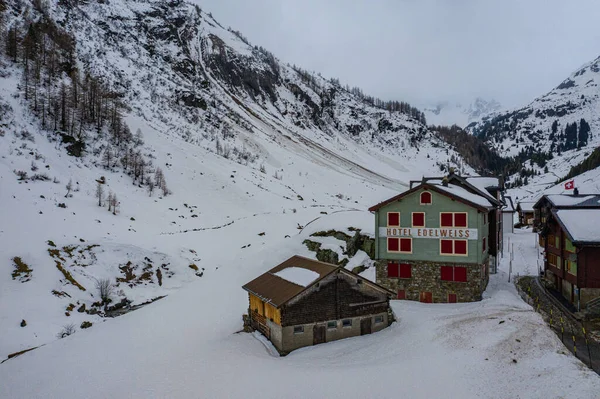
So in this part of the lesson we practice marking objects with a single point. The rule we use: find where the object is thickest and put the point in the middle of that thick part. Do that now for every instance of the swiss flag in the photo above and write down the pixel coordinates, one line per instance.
(570, 185)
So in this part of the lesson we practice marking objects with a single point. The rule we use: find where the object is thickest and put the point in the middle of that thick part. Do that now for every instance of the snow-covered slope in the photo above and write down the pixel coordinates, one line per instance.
(447, 113)
(239, 136)
(257, 157)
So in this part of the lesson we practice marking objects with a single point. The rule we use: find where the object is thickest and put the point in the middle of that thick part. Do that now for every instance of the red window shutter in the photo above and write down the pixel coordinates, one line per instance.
(451, 298)
(405, 270)
(446, 273)
(393, 244)
(401, 294)
(460, 220)
(392, 269)
(425, 198)
(446, 220)
(460, 274)
(460, 247)
(393, 219)
(418, 219)
(446, 247)
(406, 244)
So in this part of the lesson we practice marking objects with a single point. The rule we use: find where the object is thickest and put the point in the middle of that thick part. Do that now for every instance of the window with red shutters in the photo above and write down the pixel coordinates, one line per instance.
(453, 273)
(446, 219)
(401, 294)
(460, 219)
(460, 247)
(393, 244)
(460, 274)
(405, 270)
(425, 198)
(418, 219)
(406, 245)
(392, 269)
(484, 244)
(446, 273)
(446, 247)
(393, 219)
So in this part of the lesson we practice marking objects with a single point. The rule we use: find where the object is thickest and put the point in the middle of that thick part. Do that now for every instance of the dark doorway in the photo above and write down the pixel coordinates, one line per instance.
(319, 334)
(451, 298)
(365, 326)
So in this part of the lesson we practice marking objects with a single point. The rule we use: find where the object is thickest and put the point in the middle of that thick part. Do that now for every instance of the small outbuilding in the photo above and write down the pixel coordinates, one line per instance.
(304, 302)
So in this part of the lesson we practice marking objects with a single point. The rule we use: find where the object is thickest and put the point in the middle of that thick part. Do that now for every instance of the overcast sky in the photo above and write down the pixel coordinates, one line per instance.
(424, 51)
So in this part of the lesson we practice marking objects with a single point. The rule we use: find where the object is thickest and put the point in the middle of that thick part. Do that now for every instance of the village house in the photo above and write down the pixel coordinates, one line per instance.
(433, 242)
(508, 215)
(304, 302)
(569, 226)
(525, 212)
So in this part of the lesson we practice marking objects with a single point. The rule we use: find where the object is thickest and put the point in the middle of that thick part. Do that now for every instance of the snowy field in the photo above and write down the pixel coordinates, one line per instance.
(189, 345)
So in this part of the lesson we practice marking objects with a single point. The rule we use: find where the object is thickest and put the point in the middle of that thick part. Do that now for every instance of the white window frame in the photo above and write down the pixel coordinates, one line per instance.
(332, 328)
(399, 251)
(345, 320)
(453, 249)
(453, 221)
(411, 219)
(421, 199)
(387, 221)
(378, 317)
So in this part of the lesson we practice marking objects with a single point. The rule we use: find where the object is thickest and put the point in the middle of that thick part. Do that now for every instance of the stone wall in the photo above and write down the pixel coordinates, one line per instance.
(425, 277)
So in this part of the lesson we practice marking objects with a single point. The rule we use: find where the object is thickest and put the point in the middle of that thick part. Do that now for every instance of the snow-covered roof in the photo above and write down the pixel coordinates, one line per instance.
(483, 183)
(509, 206)
(526, 206)
(568, 200)
(298, 275)
(462, 193)
(581, 224)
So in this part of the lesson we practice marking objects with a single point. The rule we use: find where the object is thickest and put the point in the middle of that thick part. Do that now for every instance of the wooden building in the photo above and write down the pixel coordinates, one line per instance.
(570, 228)
(433, 242)
(525, 212)
(304, 302)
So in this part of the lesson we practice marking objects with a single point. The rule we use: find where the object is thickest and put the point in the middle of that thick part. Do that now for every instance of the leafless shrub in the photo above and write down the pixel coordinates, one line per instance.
(105, 289)
(68, 329)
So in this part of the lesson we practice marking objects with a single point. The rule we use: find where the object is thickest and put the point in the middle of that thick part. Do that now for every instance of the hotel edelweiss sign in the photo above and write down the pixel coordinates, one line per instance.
(423, 232)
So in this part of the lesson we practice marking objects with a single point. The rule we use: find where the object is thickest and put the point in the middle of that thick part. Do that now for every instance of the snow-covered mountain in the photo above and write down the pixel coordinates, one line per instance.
(247, 144)
(553, 133)
(258, 156)
(448, 113)
(543, 125)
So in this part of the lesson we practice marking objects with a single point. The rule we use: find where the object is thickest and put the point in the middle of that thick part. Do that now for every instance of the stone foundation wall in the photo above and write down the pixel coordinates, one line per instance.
(426, 277)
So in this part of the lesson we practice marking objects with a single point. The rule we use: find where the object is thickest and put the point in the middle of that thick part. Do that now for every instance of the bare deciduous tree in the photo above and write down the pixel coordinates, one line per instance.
(100, 193)
(69, 187)
(150, 186)
(105, 289)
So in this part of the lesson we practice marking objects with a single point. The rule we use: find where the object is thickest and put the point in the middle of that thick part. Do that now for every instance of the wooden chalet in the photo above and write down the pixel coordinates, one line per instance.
(569, 226)
(304, 302)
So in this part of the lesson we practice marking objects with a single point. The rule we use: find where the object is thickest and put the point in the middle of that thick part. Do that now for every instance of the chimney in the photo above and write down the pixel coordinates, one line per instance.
(575, 191)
